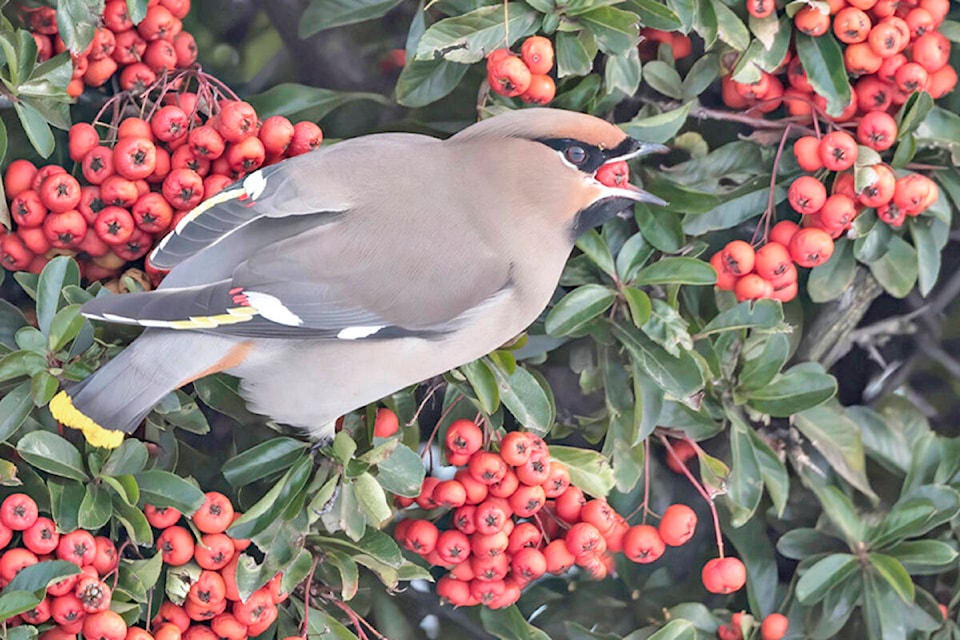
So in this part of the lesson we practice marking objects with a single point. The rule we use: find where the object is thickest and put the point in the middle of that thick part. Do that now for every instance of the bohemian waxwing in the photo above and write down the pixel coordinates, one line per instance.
(337, 277)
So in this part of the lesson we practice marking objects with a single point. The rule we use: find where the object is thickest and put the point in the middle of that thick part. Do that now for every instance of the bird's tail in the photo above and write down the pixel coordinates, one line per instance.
(118, 396)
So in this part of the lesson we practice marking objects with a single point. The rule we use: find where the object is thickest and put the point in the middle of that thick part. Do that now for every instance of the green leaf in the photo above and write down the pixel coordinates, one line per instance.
(663, 78)
(896, 270)
(467, 38)
(77, 20)
(164, 489)
(15, 406)
(623, 73)
(326, 14)
(36, 128)
(677, 271)
(402, 472)
(730, 27)
(43, 386)
(659, 128)
(796, 389)
(95, 508)
(508, 624)
(822, 59)
(21, 363)
(746, 483)
(833, 278)
(798, 544)
(15, 602)
(701, 75)
(924, 557)
(825, 575)
(759, 369)
(65, 326)
(615, 30)
(65, 497)
(484, 384)
(773, 472)
(837, 437)
(575, 53)
(290, 99)
(912, 113)
(348, 570)
(53, 454)
(59, 272)
(578, 308)
(526, 399)
(41, 575)
(639, 304)
(680, 377)
(894, 574)
(594, 247)
(589, 470)
(262, 460)
(423, 82)
(372, 498)
(929, 238)
(264, 514)
(654, 14)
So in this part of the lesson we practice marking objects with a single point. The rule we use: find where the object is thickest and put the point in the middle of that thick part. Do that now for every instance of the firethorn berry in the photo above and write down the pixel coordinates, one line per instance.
(488, 567)
(558, 480)
(584, 539)
(506, 487)
(453, 591)
(206, 141)
(683, 451)
(464, 437)
(527, 500)
(914, 192)
(613, 174)
(82, 137)
(18, 177)
(425, 499)
(14, 256)
(806, 195)
(851, 25)
(877, 130)
(524, 535)
(104, 625)
(97, 164)
(476, 490)
(463, 519)
(642, 544)
(307, 136)
(774, 627)
(535, 470)
(66, 609)
(214, 551)
(183, 188)
(752, 287)
(176, 545)
(237, 120)
(421, 537)
(18, 511)
(806, 151)
(773, 260)
(130, 47)
(114, 225)
(487, 467)
(489, 544)
(39, 614)
(558, 556)
(246, 155)
(515, 448)
(942, 81)
(93, 593)
(106, 558)
(60, 193)
(185, 46)
(449, 494)
(453, 547)
(116, 17)
(209, 589)
(838, 211)
(537, 53)
(912, 77)
(134, 158)
(724, 575)
(726, 281)
(169, 613)
(838, 150)
(170, 123)
(41, 537)
(152, 213)
(35, 239)
(811, 21)
(485, 592)
(878, 191)
(276, 133)
(760, 8)
(226, 626)
(119, 191)
(677, 525)
(542, 89)
(509, 77)
(528, 563)
(491, 515)
(77, 547)
(811, 247)
(14, 560)
(738, 257)
(386, 423)
(599, 514)
(931, 51)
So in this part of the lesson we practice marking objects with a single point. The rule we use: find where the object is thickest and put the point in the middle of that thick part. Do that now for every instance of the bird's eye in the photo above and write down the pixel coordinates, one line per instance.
(575, 155)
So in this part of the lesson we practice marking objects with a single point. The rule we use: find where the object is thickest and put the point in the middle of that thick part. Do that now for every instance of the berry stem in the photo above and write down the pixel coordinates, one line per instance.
(771, 211)
(427, 447)
(306, 597)
(699, 487)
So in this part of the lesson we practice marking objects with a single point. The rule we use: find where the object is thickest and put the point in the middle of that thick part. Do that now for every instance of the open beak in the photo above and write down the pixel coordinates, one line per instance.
(635, 149)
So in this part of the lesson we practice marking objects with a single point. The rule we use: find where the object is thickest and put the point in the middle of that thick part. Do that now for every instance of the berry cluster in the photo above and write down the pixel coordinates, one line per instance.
(515, 516)
(80, 604)
(139, 52)
(773, 627)
(893, 47)
(524, 76)
(137, 176)
(769, 272)
(680, 44)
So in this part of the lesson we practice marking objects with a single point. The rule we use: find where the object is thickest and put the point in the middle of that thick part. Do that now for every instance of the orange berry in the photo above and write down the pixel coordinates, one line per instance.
(811, 247)
(642, 544)
(774, 627)
(386, 423)
(537, 53)
(838, 151)
(724, 575)
(851, 25)
(877, 130)
(678, 524)
(752, 287)
(810, 21)
(806, 194)
(510, 77)
(807, 151)
(738, 257)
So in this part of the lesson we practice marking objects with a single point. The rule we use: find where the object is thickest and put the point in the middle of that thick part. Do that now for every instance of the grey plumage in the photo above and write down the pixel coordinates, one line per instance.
(348, 273)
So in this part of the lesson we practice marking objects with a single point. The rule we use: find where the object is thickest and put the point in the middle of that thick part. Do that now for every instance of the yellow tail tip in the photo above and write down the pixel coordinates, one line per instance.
(69, 416)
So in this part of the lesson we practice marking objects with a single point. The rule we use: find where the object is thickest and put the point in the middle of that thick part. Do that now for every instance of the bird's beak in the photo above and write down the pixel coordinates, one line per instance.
(635, 149)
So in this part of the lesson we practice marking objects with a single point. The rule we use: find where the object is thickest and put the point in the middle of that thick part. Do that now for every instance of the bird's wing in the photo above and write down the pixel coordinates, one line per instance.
(366, 271)
(299, 186)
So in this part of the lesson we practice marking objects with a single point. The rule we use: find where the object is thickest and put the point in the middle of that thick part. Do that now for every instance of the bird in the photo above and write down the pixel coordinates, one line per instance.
(332, 279)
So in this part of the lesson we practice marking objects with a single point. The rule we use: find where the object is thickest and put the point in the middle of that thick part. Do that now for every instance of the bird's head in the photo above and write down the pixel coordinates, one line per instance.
(582, 144)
